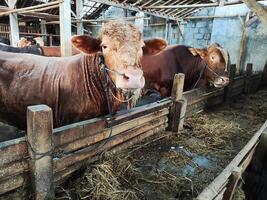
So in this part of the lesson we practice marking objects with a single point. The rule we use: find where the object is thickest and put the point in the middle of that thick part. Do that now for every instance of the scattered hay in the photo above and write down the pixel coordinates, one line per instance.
(156, 170)
(104, 181)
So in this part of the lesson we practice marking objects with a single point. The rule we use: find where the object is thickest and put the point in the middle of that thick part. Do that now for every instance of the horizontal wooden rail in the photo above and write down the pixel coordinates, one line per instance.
(13, 150)
(91, 139)
(215, 187)
(97, 148)
(69, 133)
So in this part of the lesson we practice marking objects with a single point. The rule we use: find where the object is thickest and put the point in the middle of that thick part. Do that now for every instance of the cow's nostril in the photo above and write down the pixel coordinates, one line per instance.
(126, 77)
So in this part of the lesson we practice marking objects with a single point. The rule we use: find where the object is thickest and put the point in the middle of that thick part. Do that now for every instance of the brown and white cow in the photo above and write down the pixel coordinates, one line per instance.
(159, 69)
(74, 86)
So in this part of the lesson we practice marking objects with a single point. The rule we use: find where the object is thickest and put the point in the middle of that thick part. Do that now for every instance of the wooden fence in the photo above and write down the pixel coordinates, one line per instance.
(27, 31)
(51, 155)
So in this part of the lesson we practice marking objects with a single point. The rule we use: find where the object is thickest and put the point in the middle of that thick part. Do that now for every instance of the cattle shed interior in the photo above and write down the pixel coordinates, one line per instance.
(238, 26)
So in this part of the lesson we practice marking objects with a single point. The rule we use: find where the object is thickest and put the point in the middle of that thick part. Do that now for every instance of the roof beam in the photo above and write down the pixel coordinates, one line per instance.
(258, 9)
(129, 7)
(193, 6)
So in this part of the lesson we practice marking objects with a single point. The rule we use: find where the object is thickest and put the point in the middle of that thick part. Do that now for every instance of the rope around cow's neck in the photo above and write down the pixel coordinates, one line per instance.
(202, 73)
(104, 68)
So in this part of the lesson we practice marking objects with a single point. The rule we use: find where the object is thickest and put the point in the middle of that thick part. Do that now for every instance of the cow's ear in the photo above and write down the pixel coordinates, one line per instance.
(198, 52)
(86, 43)
(154, 46)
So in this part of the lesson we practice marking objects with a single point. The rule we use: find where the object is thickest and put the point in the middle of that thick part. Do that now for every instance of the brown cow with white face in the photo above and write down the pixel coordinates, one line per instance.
(74, 86)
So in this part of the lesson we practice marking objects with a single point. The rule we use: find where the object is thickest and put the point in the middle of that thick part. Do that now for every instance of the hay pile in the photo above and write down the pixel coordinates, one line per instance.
(179, 166)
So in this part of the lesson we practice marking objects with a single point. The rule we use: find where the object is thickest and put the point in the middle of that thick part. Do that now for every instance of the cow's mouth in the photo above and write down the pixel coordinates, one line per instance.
(131, 96)
(221, 81)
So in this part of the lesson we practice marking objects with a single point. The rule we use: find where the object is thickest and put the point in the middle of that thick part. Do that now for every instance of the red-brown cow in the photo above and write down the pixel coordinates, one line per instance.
(159, 69)
(74, 86)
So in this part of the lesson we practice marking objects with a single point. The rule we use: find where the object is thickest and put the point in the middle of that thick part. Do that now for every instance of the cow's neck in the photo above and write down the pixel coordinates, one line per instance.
(95, 83)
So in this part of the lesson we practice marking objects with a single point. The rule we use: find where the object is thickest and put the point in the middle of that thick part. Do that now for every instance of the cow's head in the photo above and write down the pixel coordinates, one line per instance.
(25, 42)
(217, 60)
(122, 46)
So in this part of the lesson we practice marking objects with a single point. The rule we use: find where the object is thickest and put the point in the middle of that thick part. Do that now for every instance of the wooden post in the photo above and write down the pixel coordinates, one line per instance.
(249, 72)
(243, 42)
(65, 28)
(264, 75)
(232, 184)
(227, 89)
(139, 22)
(258, 9)
(14, 25)
(178, 109)
(79, 14)
(50, 40)
(43, 31)
(39, 135)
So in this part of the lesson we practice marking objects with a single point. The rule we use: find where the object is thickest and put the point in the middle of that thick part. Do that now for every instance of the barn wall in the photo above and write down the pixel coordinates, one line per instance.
(198, 32)
(157, 29)
(228, 32)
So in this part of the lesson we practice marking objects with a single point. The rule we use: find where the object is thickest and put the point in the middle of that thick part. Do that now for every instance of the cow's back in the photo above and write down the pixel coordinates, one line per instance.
(160, 69)
(27, 79)
(29, 49)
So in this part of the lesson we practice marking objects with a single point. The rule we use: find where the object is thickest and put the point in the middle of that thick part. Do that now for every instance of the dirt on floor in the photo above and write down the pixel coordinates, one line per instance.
(174, 166)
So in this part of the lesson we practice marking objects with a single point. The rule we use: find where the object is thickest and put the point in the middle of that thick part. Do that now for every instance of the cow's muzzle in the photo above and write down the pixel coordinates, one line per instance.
(221, 81)
(132, 78)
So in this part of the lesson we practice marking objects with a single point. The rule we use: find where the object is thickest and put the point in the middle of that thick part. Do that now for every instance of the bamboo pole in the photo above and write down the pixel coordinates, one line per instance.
(39, 134)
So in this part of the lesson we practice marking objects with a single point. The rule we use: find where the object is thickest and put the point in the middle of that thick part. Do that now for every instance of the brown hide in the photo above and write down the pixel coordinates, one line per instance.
(159, 69)
(74, 94)
(54, 51)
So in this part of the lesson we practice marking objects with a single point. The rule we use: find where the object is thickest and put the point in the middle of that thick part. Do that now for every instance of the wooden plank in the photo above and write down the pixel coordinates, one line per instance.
(227, 89)
(178, 87)
(258, 9)
(86, 141)
(205, 96)
(13, 183)
(134, 8)
(95, 149)
(211, 191)
(13, 150)
(39, 135)
(138, 138)
(178, 109)
(14, 169)
(69, 133)
(264, 74)
(177, 115)
(66, 173)
(232, 184)
(65, 28)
